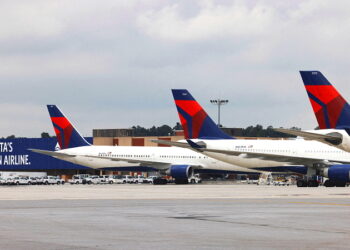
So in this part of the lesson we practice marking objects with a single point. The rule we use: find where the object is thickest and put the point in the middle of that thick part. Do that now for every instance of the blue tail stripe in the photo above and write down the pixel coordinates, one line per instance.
(344, 118)
(210, 130)
(182, 94)
(62, 132)
(324, 108)
(188, 119)
(54, 111)
(314, 78)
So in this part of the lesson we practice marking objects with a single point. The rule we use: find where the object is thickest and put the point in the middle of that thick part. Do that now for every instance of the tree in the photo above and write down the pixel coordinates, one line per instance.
(177, 126)
(45, 135)
(164, 130)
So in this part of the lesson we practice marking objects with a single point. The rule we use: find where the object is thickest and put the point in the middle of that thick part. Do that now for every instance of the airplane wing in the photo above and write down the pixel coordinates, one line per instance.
(293, 160)
(334, 138)
(50, 153)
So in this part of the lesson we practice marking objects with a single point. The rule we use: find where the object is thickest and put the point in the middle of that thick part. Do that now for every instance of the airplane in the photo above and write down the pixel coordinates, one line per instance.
(331, 110)
(176, 162)
(312, 157)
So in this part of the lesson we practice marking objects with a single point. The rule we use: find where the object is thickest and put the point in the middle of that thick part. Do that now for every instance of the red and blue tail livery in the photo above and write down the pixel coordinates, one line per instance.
(330, 108)
(67, 135)
(194, 120)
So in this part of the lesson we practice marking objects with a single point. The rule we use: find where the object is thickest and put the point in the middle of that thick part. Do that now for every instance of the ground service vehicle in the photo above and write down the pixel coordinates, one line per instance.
(49, 180)
(139, 179)
(21, 181)
(128, 179)
(93, 179)
(78, 179)
(194, 179)
(117, 179)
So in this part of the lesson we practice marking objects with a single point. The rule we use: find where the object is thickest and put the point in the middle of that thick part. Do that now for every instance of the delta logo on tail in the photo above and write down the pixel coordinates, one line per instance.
(330, 108)
(67, 135)
(194, 120)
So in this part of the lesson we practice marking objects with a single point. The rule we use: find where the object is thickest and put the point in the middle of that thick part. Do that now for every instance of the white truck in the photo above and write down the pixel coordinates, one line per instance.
(78, 179)
(50, 180)
(21, 181)
(106, 179)
(150, 179)
(93, 179)
(128, 179)
(9, 174)
(117, 179)
(139, 179)
(194, 179)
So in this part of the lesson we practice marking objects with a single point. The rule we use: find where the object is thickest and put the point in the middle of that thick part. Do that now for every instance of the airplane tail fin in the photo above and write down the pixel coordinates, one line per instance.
(67, 135)
(330, 108)
(194, 120)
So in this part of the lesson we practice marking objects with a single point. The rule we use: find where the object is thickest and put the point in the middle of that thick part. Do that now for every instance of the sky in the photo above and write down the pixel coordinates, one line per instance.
(112, 64)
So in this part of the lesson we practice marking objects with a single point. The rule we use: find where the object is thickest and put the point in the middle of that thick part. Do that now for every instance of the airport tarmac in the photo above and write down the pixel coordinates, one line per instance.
(174, 217)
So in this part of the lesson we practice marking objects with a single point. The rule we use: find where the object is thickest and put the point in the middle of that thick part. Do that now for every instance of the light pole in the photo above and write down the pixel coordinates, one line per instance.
(219, 102)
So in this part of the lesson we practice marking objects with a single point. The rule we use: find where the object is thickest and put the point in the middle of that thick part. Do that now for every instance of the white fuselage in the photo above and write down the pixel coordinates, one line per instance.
(156, 157)
(288, 148)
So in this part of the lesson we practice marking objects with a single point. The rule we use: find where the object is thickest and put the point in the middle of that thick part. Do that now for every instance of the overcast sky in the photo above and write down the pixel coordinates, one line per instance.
(111, 64)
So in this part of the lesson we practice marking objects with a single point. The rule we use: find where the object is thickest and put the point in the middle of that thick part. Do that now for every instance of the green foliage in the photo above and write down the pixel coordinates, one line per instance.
(163, 130)
(45, 135)
(251, 131)
(259, 131)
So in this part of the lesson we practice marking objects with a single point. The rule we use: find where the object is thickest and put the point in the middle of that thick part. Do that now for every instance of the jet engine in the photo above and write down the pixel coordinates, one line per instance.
(338, 175)
(181, 173)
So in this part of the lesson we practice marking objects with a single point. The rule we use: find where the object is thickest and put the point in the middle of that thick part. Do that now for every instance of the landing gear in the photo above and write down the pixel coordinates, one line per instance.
(312, 183)
(301, 183)
(331, 183)
(181, 181)
(309, 183)
(340, 183)
(160, 181)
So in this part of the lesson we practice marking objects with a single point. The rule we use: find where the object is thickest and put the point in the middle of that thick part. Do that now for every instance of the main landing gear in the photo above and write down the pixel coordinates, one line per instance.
(307, 183)
(331, 183)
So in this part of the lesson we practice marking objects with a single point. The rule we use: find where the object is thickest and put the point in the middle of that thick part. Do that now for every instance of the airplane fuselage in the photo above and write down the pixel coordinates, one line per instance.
(160, 158)
(288, 148)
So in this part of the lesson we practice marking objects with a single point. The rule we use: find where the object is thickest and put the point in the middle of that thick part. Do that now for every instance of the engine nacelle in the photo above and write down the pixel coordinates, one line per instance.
(337, 173)
(181, 172)
(345, 143)
(342, 138)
